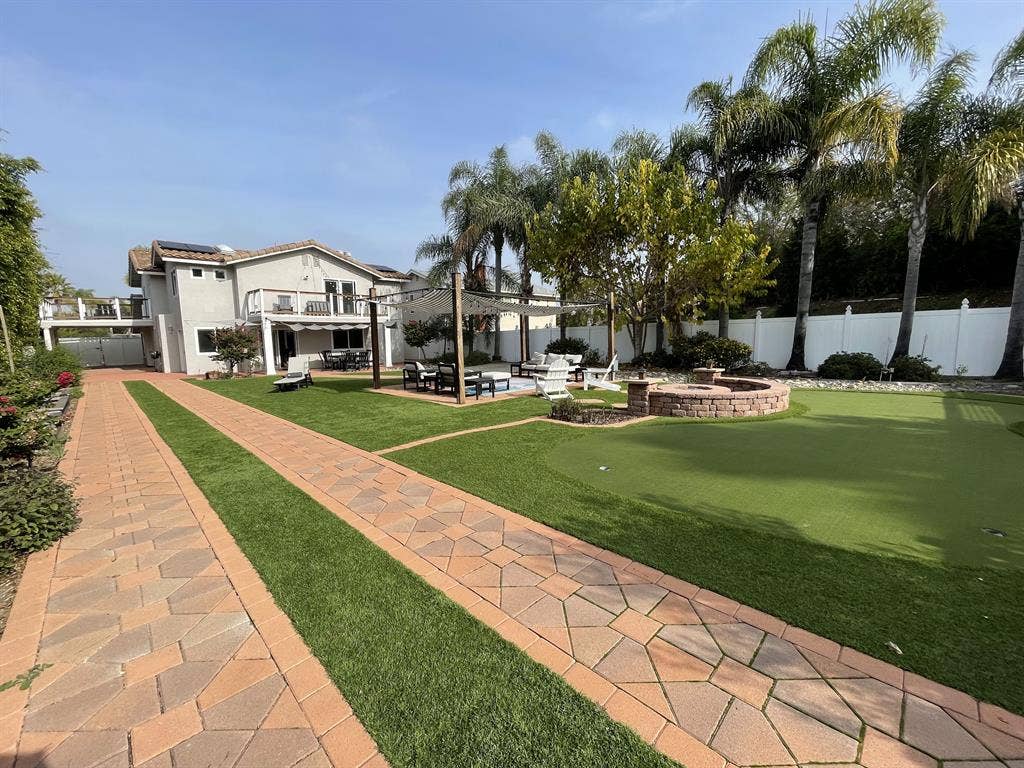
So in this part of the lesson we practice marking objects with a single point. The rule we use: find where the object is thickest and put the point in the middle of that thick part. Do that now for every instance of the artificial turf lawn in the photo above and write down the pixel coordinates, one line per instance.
(371, 420)
(431, 684)
(859, 520)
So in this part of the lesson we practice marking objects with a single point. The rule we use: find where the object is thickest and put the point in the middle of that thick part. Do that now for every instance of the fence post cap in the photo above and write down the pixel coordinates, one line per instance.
(849, 309)
(965, 304)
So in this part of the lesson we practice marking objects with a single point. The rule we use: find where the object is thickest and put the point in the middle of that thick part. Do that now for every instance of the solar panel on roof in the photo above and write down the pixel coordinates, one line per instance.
(190, 247)
(383, 268)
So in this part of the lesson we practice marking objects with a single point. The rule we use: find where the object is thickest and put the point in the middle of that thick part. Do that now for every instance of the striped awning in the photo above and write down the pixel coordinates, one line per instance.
(438, 301)
(323, 326)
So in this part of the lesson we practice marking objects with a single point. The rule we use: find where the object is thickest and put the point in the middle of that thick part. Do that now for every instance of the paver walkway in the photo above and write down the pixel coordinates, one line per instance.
(164, 647)
(704, 678)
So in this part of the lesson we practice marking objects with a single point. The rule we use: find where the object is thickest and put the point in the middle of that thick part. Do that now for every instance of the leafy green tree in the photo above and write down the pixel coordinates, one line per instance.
(649, 234)
(420, 334)
(991, 171)
(830, 114)
(931, 141)
(235, 346)
(21, 261)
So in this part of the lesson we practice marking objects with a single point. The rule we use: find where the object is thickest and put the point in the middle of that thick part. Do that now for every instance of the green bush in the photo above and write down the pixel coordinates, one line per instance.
(914, 368)
(572, 346)
(566, 409)
(755, 369)
(46, 364)
(855, 366)
(23, 390)
(24, 430)
(36, 509)
(705, 350)
(661, 359)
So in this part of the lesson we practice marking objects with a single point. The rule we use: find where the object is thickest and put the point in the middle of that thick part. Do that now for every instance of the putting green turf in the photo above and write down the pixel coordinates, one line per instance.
(343, 409)
(859, 519)
(917, 476)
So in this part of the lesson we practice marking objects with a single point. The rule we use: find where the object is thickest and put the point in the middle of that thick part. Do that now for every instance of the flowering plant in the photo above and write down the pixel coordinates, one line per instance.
(65, 379)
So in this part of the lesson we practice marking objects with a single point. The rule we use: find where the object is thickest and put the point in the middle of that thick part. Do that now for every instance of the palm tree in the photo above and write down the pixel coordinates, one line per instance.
(931, 142)
(725, 147)
(464, 248)
(991, 170)
(830, 114)
(484, 190)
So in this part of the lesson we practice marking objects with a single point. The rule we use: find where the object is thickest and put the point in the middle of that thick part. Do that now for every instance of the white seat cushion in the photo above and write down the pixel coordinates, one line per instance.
(495, 376)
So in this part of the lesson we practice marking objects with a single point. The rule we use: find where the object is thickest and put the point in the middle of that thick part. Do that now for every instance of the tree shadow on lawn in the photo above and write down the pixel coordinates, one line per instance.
(878, 485)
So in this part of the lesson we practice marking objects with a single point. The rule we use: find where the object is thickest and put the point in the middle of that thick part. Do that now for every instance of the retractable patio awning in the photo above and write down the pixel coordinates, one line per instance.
(323, 326)
(438, 301)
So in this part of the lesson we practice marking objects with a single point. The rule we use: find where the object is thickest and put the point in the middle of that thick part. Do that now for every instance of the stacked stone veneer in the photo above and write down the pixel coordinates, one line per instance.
(718, 397)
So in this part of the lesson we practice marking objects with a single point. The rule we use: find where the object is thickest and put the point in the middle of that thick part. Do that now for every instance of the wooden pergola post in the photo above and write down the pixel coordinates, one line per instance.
(374, 339)
(611, 326)
(460, 378)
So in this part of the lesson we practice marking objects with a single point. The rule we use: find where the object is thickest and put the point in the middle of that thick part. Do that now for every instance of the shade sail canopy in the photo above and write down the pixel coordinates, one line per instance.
(438, 301)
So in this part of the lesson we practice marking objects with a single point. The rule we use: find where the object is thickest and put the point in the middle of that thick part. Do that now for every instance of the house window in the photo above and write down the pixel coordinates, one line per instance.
(349, 339)
(204, 341)
(341, 296)
(283, 303)
(220, 274)
(197, 272)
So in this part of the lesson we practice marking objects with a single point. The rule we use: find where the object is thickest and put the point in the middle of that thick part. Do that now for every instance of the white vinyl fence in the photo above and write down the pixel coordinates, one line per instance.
(949, 337)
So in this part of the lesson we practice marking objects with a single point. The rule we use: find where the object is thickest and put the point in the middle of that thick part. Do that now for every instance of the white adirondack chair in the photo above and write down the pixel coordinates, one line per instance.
(551, 384)
(601, 378)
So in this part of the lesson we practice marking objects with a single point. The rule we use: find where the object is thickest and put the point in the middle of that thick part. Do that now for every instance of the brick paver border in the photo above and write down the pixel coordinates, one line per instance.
(707, 680)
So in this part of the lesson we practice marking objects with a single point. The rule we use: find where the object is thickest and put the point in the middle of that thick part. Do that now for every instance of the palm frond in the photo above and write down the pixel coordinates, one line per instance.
(1008, 69)
(785, 58)
(868, 126)
(634, 145)
(990, 171)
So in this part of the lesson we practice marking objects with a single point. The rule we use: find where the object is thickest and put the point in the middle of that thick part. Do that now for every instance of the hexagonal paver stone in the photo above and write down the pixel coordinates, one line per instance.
(780, 659)
(929, 728)
(817, 699)
(809, 740)
(747, 738)
(698, 707)
(595, 574)
(693, 639)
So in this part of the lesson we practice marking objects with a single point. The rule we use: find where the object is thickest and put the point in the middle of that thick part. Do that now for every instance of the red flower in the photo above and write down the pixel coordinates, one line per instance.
(4, 399)
(65, 379)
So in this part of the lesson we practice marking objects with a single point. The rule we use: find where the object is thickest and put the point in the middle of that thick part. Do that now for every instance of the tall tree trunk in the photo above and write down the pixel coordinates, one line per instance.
(723, 320)
(1012, 365)
(562, 319)
(498, 240)
(527, 288)
(915, 243)
(803, 299)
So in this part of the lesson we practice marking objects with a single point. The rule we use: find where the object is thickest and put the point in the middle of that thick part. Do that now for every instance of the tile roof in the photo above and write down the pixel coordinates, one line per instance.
(142, 258)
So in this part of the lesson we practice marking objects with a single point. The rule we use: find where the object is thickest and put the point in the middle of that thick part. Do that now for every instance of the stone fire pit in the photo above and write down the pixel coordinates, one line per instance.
(712, 396)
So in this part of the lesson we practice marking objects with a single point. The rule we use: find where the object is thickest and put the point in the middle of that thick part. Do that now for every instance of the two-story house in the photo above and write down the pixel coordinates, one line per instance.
(303, 298)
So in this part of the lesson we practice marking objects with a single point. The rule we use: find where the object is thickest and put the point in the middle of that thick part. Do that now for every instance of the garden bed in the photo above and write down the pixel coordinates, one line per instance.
(597, 416)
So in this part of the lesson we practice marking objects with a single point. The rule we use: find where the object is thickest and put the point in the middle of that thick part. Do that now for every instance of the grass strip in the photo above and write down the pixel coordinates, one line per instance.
(371, 420)
(432, 685)
(957, 624)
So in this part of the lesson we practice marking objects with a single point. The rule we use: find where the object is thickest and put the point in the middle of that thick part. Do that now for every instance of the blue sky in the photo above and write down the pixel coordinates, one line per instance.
(257, 123)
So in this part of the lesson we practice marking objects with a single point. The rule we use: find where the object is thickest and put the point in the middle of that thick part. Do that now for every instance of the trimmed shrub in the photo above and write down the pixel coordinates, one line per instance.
(24, 430)
(655, 360)
(703, 349)
(914, 368)
(755, 369)
(566, 409)
(854, 366)
(476, 357)
(47, 364)
(23, 391)
(36, 509)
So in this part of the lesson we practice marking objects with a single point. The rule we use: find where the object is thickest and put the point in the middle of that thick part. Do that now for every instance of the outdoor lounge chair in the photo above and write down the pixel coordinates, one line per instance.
(418, 374)
(297, 376)
(551, 385)
(602, 378)
(446, 379)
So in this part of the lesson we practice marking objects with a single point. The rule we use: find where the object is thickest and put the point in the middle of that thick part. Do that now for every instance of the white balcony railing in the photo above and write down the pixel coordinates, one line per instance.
(94, 308)
(272, 301)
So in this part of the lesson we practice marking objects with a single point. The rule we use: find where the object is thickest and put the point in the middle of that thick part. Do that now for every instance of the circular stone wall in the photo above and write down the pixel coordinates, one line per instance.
(726, 397)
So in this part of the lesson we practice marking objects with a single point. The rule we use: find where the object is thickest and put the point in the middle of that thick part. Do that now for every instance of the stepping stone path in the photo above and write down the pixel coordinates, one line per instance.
(705, 679)
(163, 646)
